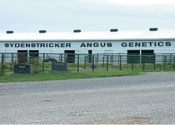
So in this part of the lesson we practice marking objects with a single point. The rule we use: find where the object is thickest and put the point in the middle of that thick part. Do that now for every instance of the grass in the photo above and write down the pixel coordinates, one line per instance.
(114, 70)
(73, 75)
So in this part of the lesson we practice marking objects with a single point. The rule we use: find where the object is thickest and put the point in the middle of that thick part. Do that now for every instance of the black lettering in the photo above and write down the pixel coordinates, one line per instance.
(69, 45)
(137, 44)
(50, 44)
(63, 45)
(17, 45)
(124, 44)
(28, 45)
(57, 45)
(102, 44)
(144, 44)
(96, 45)
(11, 44)
(38, 44)
(22, 45)
(109, 44)
(46, 44)
(131, 44)
(89, 44)
(168, 43)
(42, 45)
(6, 45)
(155, 44)
(150, 44)
(33, 45)
(83, 45)
(160, 44)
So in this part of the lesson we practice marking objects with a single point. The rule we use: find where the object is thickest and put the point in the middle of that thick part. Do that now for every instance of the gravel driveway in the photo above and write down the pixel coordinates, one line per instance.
(148, 98)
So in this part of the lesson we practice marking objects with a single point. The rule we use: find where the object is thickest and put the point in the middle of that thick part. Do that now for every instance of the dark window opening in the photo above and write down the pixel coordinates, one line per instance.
(70, 56)
(34, 53)
(22, 56)
(148, 56)
(133, 56)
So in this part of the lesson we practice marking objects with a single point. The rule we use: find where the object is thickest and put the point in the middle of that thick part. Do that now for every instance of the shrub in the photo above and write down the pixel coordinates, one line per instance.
(3, 69)
(35, 65)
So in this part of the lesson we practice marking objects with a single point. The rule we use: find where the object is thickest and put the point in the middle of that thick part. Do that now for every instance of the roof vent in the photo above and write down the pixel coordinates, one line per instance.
(153, 29)
(113, 30)
(9, 32)
(42, 31)
(77, 31)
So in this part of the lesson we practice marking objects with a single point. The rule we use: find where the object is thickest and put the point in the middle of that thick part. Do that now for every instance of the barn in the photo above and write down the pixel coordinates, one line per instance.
(149, 42)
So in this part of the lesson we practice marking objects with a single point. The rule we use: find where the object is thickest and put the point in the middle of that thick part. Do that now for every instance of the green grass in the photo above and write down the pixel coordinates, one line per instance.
(73, 75)
(114, 70)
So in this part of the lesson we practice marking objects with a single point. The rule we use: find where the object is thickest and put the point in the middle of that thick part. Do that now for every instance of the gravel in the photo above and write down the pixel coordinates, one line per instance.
(144, 99)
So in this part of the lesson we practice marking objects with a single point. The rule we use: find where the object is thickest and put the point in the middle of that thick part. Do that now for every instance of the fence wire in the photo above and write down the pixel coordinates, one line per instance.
(88, 62)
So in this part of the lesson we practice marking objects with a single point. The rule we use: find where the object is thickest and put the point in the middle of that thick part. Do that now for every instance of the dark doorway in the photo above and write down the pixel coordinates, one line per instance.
(90, 56)
(148, 56)
(34, 53)
(22, 56)
(70, 56)
(133, 56)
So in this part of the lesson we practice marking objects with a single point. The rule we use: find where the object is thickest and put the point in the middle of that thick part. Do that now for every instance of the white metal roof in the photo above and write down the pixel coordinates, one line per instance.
(120, 35)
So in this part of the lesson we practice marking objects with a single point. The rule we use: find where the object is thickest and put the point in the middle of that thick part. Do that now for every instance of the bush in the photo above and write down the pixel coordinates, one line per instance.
(3, 69)
(35, 65)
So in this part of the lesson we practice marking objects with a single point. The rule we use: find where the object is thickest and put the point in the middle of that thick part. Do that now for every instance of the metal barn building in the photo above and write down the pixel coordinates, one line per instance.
(150, 42)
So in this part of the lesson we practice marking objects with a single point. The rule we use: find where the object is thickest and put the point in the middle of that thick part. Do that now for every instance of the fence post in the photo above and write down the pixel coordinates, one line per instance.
(174, 62)
(132, 63)
(78, 63)
(93, 63)
(61, 58)
(65, 57)
(154, 62)
(97, 58)
(164, 62)
(143, 63)
(103, 61)
(2, 64)
(107, 63)
(85, 61)
(112, 59)
(120, 62)
(43, 60)
(11, 64)
(12, 57)
(170, 58)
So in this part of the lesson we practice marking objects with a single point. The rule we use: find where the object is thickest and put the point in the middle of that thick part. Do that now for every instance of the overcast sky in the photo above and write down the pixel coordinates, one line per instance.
(88, 15)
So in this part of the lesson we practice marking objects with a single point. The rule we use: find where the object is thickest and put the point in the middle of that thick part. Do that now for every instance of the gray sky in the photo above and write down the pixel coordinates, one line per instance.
(88, 15)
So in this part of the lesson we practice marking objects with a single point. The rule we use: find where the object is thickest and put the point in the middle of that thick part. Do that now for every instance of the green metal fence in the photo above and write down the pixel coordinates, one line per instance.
(89, 62)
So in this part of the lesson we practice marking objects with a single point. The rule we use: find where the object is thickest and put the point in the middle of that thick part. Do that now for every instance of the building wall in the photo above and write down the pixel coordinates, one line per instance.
(82, 46)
